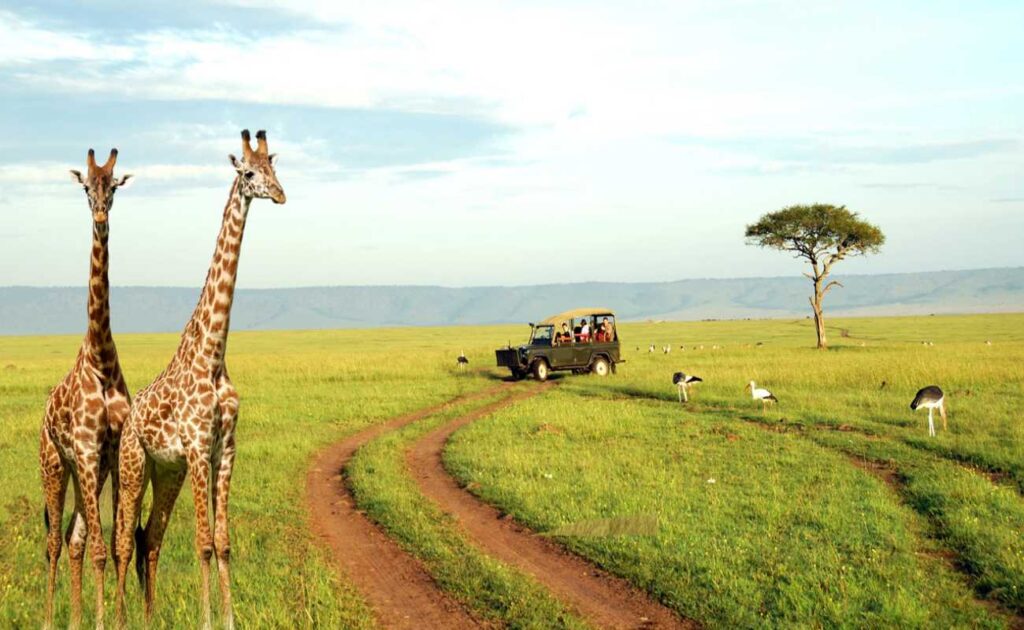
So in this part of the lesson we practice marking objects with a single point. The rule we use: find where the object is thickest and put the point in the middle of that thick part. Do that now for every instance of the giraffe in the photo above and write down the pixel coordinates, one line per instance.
(183, 423)
(84, 415)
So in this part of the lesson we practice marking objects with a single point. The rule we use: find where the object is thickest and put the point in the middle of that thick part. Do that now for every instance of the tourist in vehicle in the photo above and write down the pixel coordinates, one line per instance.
(563, 336)
(585, 330)
(577, 331)
(606, 333)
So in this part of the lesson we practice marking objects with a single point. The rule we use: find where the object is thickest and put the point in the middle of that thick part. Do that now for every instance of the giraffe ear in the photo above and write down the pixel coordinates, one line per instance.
(76, 176)
(272, 157)
(234, 162)
(125, 180)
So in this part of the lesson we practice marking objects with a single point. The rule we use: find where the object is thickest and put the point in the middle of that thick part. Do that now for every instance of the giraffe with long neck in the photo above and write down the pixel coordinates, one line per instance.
(84, 414)
(183, 424)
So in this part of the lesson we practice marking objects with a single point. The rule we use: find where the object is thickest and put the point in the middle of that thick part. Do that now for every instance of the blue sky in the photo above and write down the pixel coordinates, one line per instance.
(478, 143)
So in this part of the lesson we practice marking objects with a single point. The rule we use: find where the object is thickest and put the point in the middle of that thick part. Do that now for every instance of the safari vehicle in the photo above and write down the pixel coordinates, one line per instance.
(559, 343)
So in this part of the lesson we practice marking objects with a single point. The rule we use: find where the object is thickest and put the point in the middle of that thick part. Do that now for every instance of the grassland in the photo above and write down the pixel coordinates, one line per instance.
(778, 518)
(300, 390)
(806, 525)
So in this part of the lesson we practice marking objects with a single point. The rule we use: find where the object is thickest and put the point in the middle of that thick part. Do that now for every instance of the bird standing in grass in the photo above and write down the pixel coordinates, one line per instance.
(463, 360)
(683, 382)
(931, 398)
(759, 393)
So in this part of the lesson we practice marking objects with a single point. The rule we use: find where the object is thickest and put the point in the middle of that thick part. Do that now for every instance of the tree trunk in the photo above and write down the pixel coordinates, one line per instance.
(819, 316)
(819, 324)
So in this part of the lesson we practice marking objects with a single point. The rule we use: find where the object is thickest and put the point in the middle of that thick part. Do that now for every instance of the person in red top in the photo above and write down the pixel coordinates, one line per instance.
(585, 330)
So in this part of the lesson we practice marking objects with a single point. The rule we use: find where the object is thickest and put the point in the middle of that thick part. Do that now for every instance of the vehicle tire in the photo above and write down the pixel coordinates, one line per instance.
(600, 366)
(541, 370)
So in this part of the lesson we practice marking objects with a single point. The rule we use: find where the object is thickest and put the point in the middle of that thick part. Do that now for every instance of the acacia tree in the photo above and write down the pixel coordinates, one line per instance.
(822, 235)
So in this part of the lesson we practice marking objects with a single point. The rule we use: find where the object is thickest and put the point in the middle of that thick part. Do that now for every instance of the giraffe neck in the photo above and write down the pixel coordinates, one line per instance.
(213, 313)
(99, 343)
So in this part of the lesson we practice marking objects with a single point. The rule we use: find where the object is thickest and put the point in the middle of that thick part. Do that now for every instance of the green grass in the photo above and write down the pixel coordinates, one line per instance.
(300, 391)
(791, 533)
(983, 523)
(384, 489)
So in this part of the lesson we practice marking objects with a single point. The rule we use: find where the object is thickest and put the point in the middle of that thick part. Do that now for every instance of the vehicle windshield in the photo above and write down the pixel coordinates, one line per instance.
(541, 335)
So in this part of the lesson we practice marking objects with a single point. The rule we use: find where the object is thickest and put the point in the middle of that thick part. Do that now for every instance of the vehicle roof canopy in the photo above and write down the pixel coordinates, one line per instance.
(575, 313)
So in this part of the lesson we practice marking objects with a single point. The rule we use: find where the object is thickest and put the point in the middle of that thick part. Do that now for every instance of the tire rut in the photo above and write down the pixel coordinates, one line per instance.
(398, 588)
(602, 599)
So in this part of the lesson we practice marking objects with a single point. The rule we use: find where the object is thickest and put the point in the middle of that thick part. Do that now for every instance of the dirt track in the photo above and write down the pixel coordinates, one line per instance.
(602, 599)
(397, 586)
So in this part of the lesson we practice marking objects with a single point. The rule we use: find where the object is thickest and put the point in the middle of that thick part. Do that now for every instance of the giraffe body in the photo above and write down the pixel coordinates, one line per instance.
(84, 415)
(183, 424)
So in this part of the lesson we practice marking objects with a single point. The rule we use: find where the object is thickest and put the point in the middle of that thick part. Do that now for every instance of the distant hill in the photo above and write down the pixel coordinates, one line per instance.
(27, 310)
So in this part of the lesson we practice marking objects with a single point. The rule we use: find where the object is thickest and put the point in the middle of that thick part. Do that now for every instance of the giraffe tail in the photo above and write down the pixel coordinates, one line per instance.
(46, 523)
(140, 555)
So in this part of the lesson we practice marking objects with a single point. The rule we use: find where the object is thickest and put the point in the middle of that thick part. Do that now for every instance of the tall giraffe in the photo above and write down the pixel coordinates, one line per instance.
(84, 414)
(183, 423)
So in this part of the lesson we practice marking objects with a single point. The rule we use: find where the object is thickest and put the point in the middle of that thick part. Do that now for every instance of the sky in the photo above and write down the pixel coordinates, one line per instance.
(479, 143)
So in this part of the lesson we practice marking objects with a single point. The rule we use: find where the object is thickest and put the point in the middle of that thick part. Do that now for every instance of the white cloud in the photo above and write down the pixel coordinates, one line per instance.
(594, 95)
(24, 42)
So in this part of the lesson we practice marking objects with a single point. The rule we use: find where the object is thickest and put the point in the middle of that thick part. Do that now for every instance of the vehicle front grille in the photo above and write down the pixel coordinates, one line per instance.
(506, 357)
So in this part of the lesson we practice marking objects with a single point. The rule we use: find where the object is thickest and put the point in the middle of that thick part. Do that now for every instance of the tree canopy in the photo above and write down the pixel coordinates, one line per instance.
(819, 232)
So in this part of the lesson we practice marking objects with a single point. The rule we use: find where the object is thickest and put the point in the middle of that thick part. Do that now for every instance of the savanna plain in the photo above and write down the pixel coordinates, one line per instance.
(831, 509)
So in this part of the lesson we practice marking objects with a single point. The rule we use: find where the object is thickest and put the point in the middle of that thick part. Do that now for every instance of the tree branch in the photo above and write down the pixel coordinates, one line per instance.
(834, 283)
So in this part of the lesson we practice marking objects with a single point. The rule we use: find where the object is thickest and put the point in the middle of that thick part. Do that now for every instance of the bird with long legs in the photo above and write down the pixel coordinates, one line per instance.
(462, 360)
(682, 382)
(931, 398)
(761, 394)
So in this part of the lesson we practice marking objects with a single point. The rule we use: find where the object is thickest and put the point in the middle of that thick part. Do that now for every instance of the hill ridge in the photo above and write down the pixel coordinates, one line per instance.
(54, 310)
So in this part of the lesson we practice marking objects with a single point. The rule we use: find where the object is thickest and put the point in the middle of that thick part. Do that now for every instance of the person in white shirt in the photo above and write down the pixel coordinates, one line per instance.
(585, 330)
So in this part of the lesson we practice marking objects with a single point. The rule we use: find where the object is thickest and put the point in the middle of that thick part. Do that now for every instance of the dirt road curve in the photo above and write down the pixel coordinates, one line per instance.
(602, 599)
(397, 586)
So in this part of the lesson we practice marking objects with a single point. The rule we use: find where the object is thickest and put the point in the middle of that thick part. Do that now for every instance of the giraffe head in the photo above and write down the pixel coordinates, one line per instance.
(256, 176)
(100, 184)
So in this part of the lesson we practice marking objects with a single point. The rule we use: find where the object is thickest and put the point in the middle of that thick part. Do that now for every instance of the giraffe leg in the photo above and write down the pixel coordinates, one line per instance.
(199, 473)
(221, 539)
(118, 408)
(223, 465)
(90, 482)
(75, 536)
(55, 484)
(132, 476)
(166, 486)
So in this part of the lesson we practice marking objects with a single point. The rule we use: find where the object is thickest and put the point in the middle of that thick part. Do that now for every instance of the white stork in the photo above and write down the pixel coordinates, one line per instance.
(762, 394)
(683, 382)
(931, 398)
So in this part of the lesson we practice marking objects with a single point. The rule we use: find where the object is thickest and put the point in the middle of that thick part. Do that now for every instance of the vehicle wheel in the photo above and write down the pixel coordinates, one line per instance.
(600, 366)
(540, 370)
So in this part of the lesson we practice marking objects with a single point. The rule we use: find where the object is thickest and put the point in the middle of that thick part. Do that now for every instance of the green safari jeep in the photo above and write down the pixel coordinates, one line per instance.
(583, 340)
